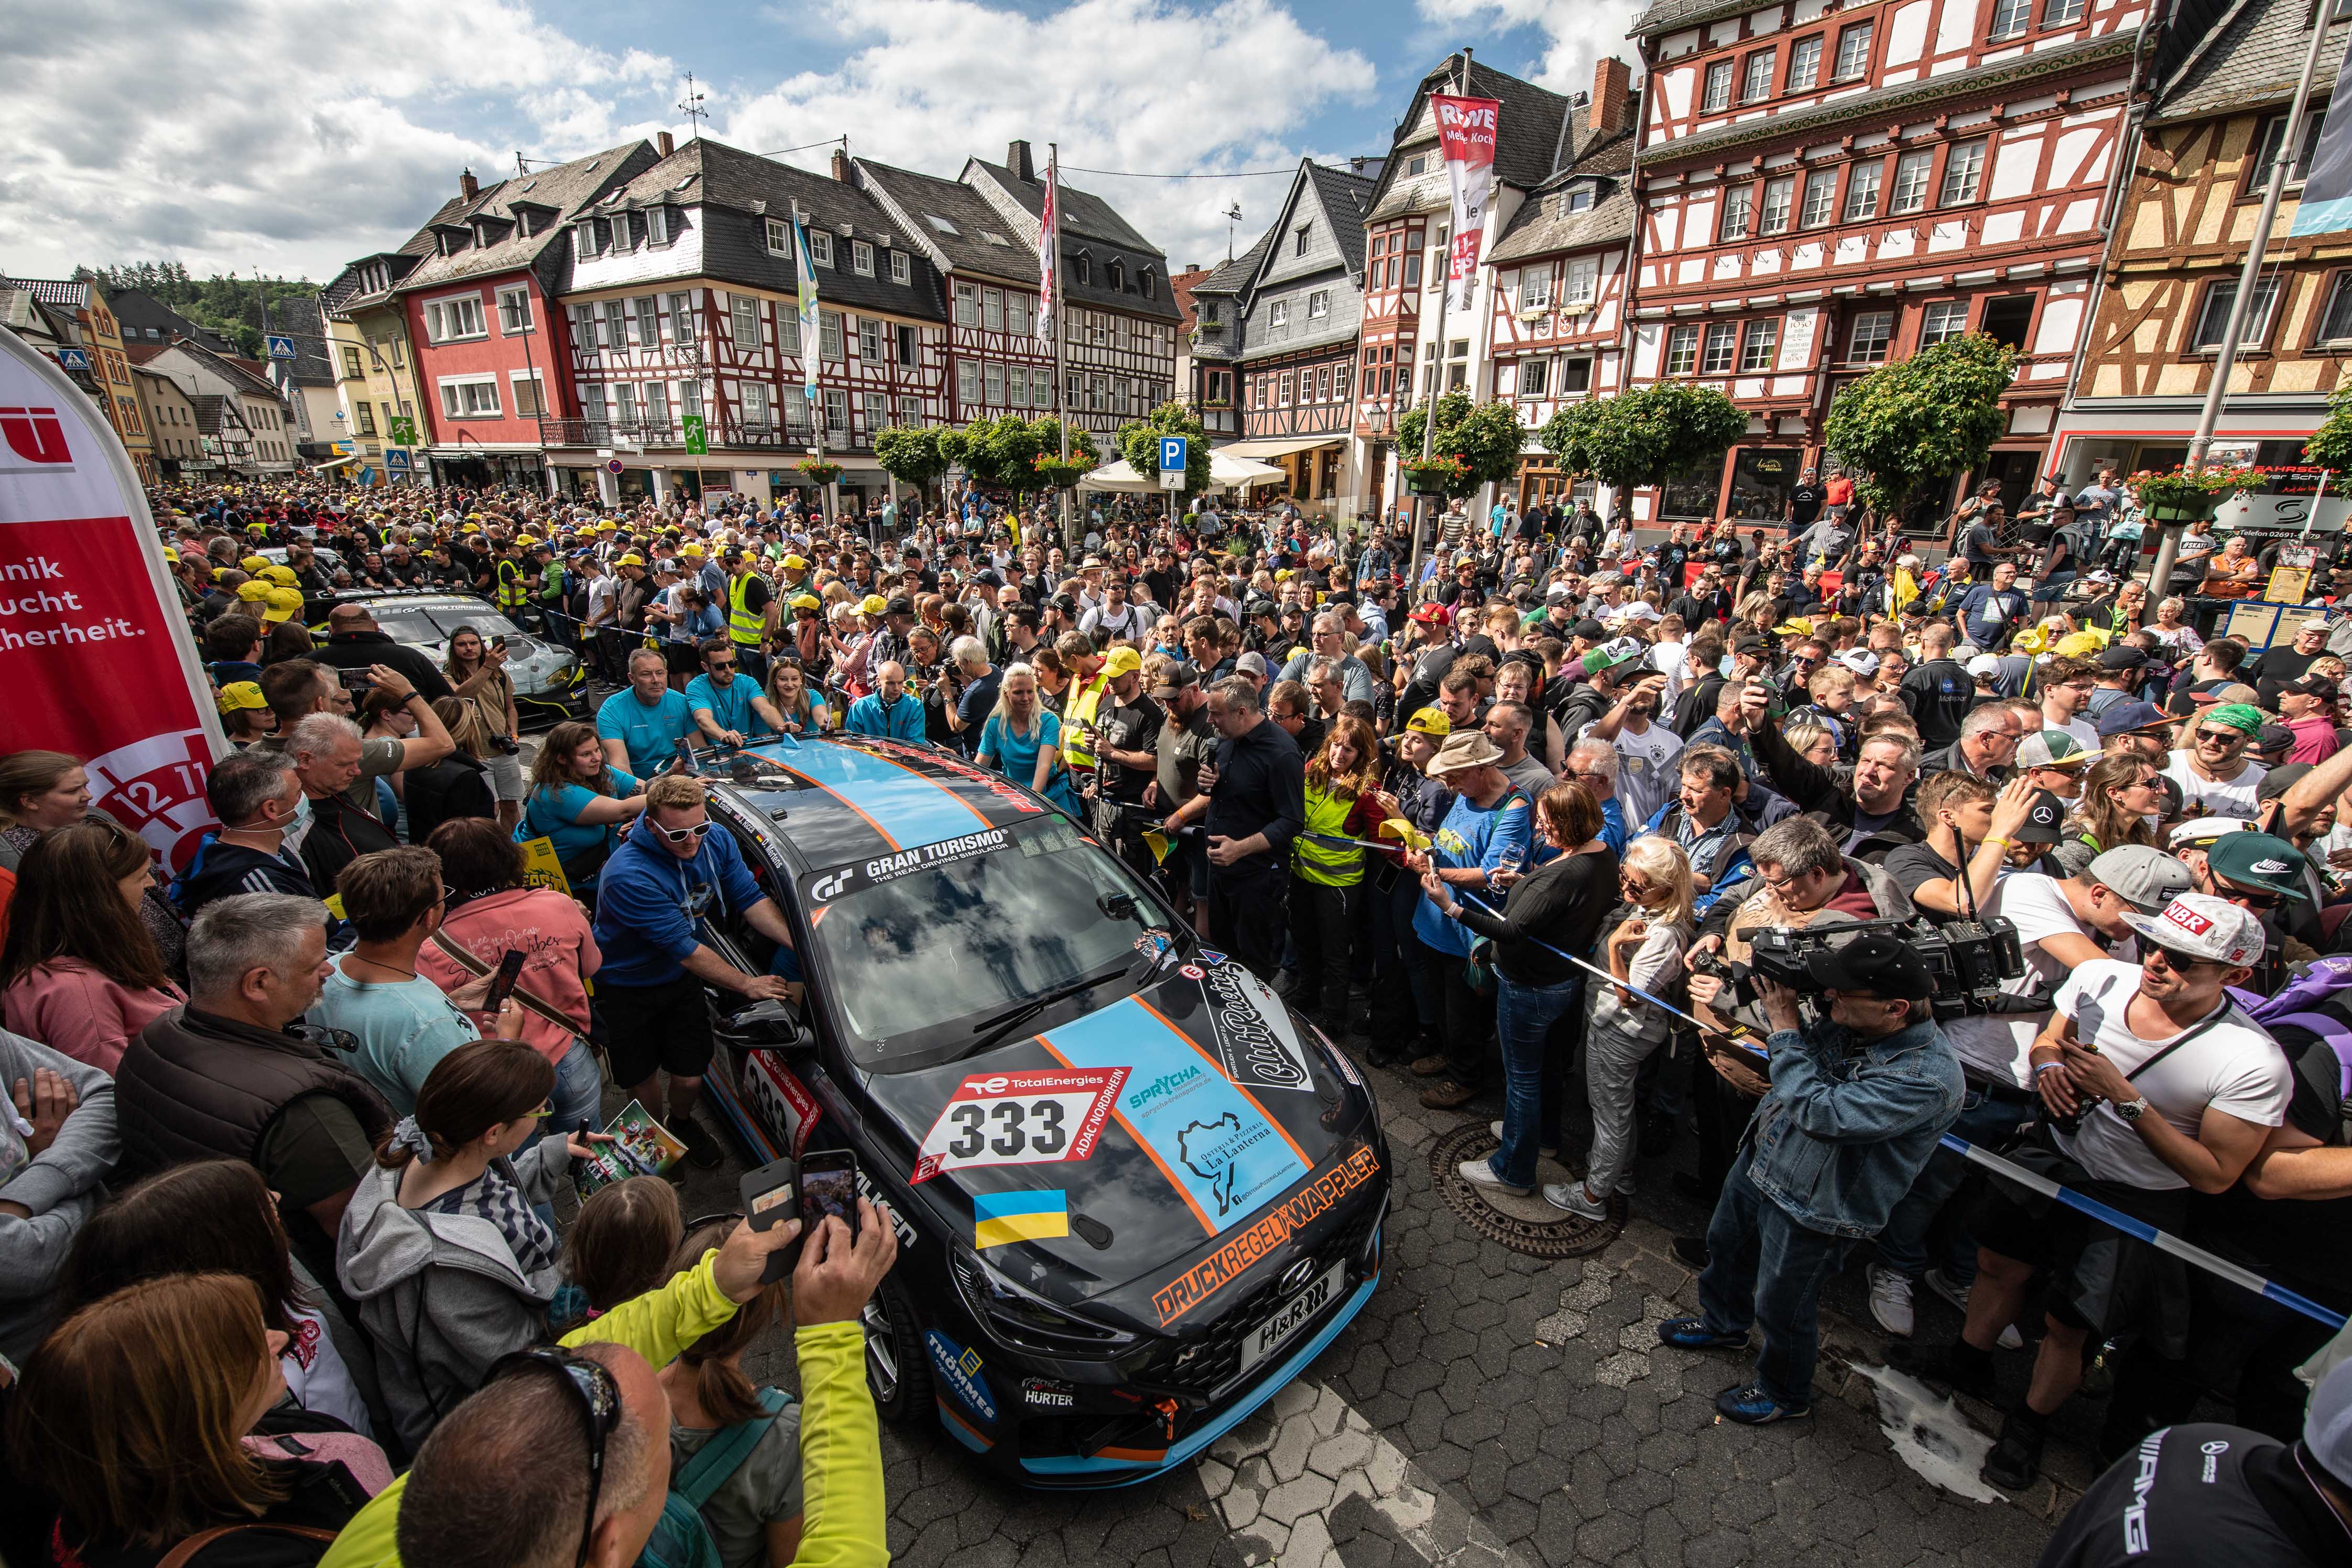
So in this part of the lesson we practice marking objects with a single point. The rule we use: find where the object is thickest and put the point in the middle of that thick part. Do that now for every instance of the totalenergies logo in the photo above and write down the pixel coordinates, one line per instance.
(35, 435)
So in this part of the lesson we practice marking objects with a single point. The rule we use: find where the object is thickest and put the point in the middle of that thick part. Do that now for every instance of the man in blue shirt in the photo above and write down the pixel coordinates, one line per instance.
(888, 712)
(1990, 610)
(675, 869)
(1490, 826)
(640, 728)
(728, 708)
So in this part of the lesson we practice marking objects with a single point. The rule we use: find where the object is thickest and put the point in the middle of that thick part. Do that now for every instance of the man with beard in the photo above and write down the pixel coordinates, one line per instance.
(1645, 748)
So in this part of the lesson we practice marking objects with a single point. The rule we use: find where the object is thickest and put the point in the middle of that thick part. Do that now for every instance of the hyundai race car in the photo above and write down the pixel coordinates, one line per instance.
(1135, 1195)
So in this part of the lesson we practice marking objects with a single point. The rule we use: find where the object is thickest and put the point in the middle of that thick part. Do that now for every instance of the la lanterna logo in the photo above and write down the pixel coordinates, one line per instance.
(35, 435)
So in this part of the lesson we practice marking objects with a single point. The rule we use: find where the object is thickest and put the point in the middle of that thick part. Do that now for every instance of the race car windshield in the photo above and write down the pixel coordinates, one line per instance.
(912, 958)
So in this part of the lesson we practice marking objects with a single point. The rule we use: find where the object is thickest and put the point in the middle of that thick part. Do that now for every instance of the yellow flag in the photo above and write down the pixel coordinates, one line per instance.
(1399, 828)
(1906, 587)
(1157, 842)
(541, 866)
(334, 903)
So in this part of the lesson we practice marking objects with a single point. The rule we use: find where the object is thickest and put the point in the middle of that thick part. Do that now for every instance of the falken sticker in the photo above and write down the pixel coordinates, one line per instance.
(792, 1111)
(1020, 1119)
(1254, 1037)
(899, 1224)
(959, 1369)
(1211, 1137)
(862, 874)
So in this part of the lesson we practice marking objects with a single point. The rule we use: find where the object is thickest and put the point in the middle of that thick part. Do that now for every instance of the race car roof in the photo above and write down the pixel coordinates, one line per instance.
(850, 797)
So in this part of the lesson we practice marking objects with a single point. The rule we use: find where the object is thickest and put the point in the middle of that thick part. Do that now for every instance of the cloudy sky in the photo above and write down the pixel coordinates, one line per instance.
(288, 136)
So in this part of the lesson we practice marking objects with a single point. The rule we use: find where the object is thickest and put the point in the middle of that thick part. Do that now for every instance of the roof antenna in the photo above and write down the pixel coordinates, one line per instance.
(520, 170)
(1232, 217)
(691, 107)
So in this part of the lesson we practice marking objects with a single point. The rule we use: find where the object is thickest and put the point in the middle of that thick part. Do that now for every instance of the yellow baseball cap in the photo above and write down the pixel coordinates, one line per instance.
(171, 554)
(1122, 661)
(239, 695)
(695, 551)
(1429, 721)
(1794, 627)
(254, 591)
(606, 525)
(805, 602)
(794, 563)
(631, 559)
(524, 541)
(2080, 645)
(252, 564)
(285, 604)
(281, 575)
(873, 604)
(471, 528)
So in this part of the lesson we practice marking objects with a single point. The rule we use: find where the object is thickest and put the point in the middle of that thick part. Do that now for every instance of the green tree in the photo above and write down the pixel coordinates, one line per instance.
(914, 455)
(1643, 438)
(1139, 445)
(1003, 452)
(231, 306)
(1487, 436)
(1924, 418)
(2330, 446)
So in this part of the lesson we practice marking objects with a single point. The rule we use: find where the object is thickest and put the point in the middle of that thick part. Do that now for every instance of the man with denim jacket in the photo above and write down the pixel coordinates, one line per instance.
(1858, 1100)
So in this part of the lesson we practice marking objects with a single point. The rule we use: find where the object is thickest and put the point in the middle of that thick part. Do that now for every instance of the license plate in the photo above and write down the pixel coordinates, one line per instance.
(1292, 1316)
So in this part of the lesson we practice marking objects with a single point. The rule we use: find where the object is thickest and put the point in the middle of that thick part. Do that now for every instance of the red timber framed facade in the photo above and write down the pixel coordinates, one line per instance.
(1824, 188)
(683, 305)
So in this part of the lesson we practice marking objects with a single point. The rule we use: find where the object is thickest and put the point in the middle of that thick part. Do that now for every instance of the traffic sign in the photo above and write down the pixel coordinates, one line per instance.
(698, 438)
(74, 358)
(613, 466)
(403, 429)
(1172, 453)
(395, 462)
(280, 347)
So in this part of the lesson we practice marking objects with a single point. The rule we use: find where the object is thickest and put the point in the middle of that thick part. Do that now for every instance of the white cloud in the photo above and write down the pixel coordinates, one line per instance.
(1577, 34)
(280, 134)
(1142, 85)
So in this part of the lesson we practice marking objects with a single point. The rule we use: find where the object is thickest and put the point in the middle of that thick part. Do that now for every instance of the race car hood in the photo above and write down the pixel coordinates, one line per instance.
(1107, 1151)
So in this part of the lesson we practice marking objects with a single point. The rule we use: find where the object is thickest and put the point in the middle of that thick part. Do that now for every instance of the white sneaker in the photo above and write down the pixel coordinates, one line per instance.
(1479, 1173)
(1890, 1300)
(1943, 1285)
(1572, 1196)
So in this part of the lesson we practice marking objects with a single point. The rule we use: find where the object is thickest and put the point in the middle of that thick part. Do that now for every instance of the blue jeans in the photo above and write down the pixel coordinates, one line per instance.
(579, 1091)
(1524, 1016)
(1996, 1124)
(1766, 1269)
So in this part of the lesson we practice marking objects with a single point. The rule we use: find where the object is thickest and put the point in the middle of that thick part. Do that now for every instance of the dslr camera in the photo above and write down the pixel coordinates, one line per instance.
(1967, 960)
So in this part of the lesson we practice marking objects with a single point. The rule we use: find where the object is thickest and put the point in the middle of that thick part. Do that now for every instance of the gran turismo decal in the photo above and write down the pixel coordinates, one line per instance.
(881, 868)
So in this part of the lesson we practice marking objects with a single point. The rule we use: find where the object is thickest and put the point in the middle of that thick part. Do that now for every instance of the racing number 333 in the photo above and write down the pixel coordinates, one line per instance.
(1020, 1119)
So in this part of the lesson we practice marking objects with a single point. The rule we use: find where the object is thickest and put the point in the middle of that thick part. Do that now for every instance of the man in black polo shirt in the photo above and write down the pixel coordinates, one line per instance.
(1256, 796)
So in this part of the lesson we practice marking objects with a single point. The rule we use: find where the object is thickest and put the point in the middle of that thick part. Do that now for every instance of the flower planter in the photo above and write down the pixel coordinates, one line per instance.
(2190, 511)
(1426, 484)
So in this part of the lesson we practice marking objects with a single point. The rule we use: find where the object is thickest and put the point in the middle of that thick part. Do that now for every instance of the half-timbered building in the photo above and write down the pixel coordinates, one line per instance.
(1216, 341)
(490, 347)
(1558, 301)
(1298, 348)
(1406, 230)
(681, 301)
(1826, 187)
(2215, 130)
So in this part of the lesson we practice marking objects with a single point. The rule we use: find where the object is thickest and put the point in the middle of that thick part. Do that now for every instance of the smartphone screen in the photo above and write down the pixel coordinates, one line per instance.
(502, 983)
(828, 1187)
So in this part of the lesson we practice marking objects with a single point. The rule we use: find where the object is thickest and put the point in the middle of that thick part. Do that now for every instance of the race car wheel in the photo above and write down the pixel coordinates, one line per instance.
(897, 1368)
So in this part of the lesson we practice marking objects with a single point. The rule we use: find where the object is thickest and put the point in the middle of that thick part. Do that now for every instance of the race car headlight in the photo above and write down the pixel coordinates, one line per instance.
(1026, 1320)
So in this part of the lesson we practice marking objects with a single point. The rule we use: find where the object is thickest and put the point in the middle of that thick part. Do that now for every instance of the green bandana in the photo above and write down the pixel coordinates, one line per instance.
(2243, 717)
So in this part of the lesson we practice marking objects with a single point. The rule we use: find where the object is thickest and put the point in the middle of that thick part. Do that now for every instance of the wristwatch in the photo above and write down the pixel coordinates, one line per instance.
(2132, 1110)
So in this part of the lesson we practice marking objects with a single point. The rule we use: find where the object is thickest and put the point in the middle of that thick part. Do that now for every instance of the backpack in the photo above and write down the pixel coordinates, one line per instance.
(681, 1538)
(2317, 1000)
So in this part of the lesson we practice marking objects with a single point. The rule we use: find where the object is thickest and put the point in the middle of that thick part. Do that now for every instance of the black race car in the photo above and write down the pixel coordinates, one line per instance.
(1135, 1194)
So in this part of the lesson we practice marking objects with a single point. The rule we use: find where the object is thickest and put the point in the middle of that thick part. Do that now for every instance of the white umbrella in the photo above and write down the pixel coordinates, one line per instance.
(1224, 473)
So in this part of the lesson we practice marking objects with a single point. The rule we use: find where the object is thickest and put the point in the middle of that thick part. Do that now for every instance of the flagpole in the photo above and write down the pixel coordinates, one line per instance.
(1053, 239)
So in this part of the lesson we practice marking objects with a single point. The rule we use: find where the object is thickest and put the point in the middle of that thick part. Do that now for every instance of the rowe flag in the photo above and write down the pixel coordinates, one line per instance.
(95, 652)
(1049, 248)
(1466, 134)
(2326, 204)
(812, 321)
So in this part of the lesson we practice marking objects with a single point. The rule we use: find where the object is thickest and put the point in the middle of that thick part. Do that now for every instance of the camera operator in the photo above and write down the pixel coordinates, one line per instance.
(2174, 1091)
(1857, 1101)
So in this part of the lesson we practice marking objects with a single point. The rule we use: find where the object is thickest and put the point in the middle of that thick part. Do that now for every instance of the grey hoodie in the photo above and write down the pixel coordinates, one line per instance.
(440, 1294)
(61, 1186)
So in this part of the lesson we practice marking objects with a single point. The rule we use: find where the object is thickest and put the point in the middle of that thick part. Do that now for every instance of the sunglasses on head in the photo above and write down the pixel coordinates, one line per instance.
(591, 1388)
(680, 834)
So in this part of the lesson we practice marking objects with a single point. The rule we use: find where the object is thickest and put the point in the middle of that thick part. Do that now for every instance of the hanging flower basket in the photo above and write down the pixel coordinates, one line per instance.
(2180, 496)
(818, 470)
(1434, 476)
(1056, 473)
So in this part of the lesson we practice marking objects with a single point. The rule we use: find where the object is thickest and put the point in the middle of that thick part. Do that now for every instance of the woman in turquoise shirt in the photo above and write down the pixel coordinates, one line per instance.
(1023, 742)
(575, 802)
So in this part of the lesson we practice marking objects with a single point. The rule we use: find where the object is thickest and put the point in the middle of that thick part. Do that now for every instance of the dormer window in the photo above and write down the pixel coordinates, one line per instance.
(1579, 198)
(1116, 276)
(583, 238)
(657, 225)
(861, 259)
(522, 223)
(820, 247)
(1150, 291)
(1083, 265)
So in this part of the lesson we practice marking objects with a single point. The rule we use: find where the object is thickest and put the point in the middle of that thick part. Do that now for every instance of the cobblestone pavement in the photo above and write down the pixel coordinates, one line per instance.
(1491, 1410)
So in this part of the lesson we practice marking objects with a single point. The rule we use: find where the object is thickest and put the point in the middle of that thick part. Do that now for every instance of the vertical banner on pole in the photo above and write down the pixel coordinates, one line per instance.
(2326, 202)
(1049, 250)
(812, 318)
(95, 652)
(1465, 135)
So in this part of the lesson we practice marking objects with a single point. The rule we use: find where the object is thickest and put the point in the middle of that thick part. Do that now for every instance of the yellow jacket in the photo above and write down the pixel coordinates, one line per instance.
(841, 1449)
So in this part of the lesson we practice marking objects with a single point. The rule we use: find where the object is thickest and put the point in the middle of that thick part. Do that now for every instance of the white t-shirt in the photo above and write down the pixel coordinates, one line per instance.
(2204, 797)
(2086, 735)
(1996, 1043)
(1644, 779)
(1670, 659)
(2232, 1066)
(601, 593)
(316, 1376)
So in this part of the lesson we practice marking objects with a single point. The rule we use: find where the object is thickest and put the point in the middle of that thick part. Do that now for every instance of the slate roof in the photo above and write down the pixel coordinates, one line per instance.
(1347, 198)
(1180, 287)
(58, 293)
(1082, 211)
(1528, 138)
(136, 311)
(241, 372)
(732, 193)
(564, 189)
(1230, 281)
(1091, 226)
(2252, 60)
(300, 316)
(1544, 226)
(1667, 16)
(922, 197)
(213, 410)
(1874, 108)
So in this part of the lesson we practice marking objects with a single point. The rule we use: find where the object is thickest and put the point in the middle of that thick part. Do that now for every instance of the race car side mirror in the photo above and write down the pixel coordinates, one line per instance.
(769, 1024)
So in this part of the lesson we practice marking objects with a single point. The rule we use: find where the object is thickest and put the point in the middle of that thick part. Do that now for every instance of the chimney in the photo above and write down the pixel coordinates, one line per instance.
(664, 145)
(1612, 97)
(467, 187)
(1016, 158)
(841, 166)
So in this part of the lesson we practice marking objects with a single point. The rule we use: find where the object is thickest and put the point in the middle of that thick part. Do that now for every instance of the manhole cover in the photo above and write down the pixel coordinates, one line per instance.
(1560, 1235)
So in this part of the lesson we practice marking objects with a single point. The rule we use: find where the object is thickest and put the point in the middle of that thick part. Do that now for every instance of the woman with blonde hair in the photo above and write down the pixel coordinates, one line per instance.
(805, 712)
(1022, 740)
(1644, 953)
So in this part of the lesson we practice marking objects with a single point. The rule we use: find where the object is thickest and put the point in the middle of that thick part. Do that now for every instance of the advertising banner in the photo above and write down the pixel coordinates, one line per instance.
(812, 318)
(2326, 202)
(1466, 134)
(1049, 249)
(95, 653)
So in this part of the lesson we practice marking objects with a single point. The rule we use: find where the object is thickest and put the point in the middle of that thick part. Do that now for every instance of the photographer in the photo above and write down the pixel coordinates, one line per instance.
(1857, 1101)
(2175, 1091)
(1863, 802)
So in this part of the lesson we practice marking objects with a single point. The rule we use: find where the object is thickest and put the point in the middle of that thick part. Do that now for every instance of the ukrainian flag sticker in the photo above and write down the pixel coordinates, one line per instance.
(998, 1218)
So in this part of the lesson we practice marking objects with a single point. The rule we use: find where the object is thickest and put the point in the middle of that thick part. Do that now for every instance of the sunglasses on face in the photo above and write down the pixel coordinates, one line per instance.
(680, 834)
(2248, 898)
(2178, 963)
(2223, 737)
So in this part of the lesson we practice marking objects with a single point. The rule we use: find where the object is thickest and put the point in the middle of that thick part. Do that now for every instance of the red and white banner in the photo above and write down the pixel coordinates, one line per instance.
(1049, 249)
(95, 653)
(1465, 135)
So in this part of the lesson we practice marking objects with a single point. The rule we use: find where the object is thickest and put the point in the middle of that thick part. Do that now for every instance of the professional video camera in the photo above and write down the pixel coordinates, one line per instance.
(1967, 960)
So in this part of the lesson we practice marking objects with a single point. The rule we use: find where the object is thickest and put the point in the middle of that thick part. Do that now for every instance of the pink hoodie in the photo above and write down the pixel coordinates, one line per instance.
(71, 1006)
(546, 925)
